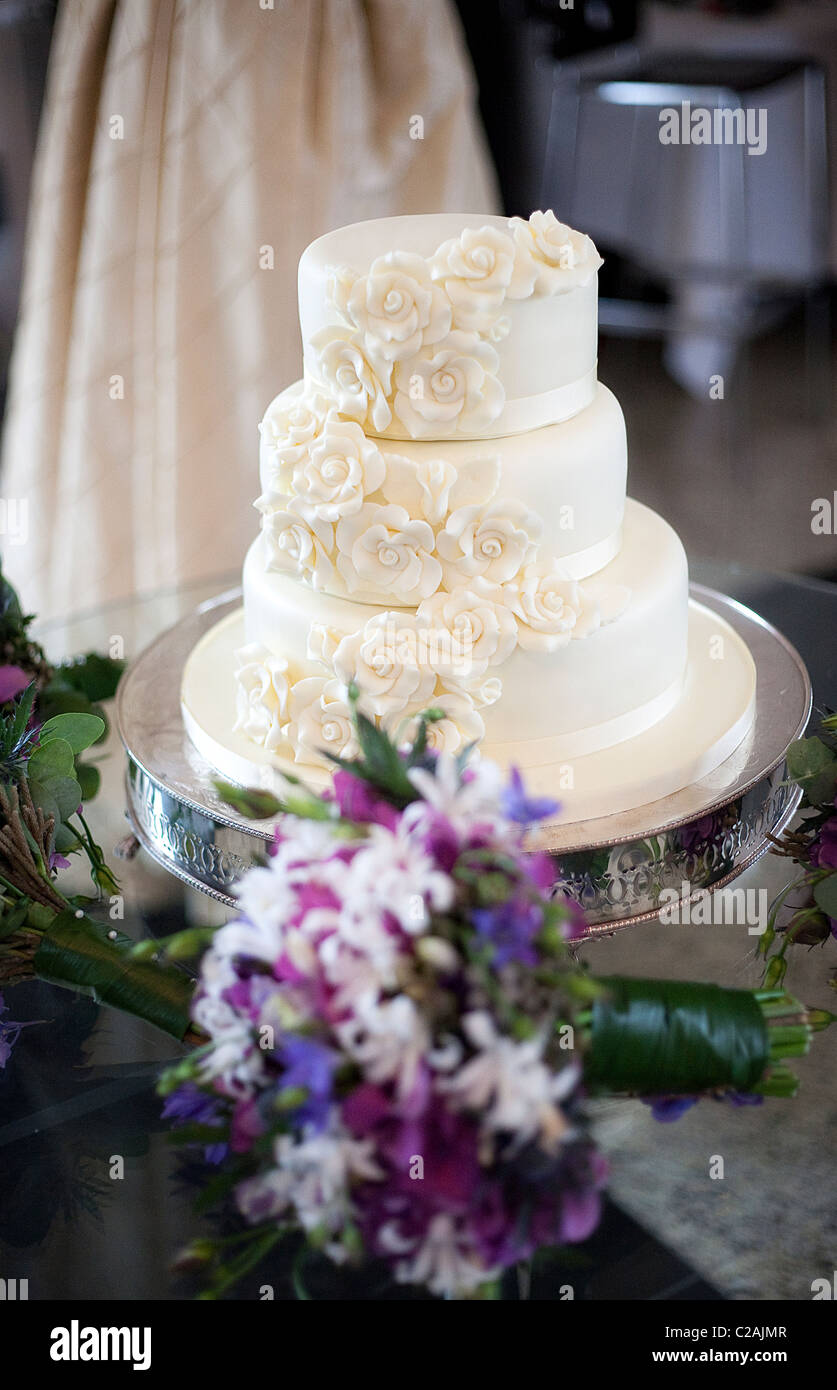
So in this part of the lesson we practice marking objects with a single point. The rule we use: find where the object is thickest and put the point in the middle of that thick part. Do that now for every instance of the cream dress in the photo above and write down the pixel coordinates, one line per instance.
(189, 151)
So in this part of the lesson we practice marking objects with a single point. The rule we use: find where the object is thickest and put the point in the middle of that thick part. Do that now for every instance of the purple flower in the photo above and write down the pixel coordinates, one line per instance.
(522, 808)
(13, 680)
(309, 1065)
(511, 928)
(698, 832)
(189, 1105)
(357, 801)
(824, 847)
(669, 1108)
(9, 1034)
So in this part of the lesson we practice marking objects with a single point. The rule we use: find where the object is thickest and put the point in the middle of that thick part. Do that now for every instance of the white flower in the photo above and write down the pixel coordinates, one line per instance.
(396, 306)
(494, 541)
(388, 1039)
(300, 546)
(550, 608)
(381, 658)
(460, 726)
(320, 719)
(476, 269)
(336, 472)
(234, 1054)
(442, 791)
(314, 1176)
(356, 385)
(261, 695)
(508, 1084)
(452, 390)
(267, 903)
(393, 874)
(474, 628)
(552, 258)
(381, 550)
(445, 1261)
(433, 487)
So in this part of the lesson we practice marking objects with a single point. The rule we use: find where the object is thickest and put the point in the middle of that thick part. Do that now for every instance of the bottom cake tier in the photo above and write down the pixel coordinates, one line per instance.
(642, 707)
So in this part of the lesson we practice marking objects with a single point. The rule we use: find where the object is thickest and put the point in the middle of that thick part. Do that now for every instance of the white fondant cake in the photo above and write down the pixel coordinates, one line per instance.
(444, 522)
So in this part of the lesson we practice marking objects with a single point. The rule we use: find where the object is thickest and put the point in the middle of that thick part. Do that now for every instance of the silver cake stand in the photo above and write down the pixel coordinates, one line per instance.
(615, 866)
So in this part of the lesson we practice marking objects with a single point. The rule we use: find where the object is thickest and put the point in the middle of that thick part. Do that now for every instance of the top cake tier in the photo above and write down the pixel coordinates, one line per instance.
(451, 325)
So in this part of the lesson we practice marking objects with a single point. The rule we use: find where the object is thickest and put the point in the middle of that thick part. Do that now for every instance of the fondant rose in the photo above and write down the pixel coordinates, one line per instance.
(551, 257)
(550, 609)
(351, 379)
(291, 422)
(320, 720)
(476, 269)
(337, 471)
(396, 306)
(381, 659)
(451, 390)
(261, 695)
(460, 726)
(299, 545)
(495, 541)
(381, 550)
(472, 628)
(433, 487)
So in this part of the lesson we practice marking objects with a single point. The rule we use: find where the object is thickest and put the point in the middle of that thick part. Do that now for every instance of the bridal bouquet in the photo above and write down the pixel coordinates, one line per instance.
(400, 1039)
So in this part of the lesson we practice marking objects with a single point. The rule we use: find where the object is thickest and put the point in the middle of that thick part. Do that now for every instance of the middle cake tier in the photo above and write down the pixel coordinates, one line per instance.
(527, 698)
(392, 521)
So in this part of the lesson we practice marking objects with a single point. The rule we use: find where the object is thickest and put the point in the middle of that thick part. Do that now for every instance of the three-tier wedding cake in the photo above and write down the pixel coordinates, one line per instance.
(444, 523)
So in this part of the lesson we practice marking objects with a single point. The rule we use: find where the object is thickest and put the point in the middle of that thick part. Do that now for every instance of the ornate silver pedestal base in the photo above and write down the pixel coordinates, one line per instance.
(616, 866)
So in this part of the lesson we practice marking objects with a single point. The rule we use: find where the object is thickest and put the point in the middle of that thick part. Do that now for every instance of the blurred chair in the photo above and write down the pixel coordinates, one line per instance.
(732, 235)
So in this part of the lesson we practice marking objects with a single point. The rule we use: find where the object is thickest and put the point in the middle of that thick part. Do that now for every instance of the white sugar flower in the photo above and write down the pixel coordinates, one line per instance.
(476, 269)
(494, 541)
(396, 306)
(473, 626)
(433, 487)
(380, 550)
(320, 719)
(381, 659)
(299, 545)
(358, 387)
(292, 421)
(508, 1084)
(337, 471)
(550, 609)
(448, 390)
(461, 725)
(551, 257)
(261, 695)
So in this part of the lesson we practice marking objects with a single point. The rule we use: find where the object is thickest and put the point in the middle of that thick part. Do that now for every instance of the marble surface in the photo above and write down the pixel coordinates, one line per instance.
(768, 1227)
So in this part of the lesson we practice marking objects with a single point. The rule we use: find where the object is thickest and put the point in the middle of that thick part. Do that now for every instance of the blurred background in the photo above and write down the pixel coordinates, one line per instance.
(163, 163)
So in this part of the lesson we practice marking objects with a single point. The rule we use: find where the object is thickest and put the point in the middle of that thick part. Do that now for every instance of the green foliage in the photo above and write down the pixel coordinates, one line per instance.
(79, 953)
(813, 765)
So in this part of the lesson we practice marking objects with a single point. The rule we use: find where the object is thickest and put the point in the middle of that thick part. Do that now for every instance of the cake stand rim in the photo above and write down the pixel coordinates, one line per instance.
(224, 816)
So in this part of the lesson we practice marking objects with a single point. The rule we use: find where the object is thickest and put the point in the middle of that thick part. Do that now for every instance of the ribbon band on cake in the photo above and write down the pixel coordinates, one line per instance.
(539, 752)
(518, 415)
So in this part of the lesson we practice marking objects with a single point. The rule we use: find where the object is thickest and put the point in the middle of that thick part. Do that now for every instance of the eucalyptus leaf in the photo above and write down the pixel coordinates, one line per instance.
(89, 779)
(52, 759)
(77, 953)
(79, 730)
(813, 765)
(66, 793)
